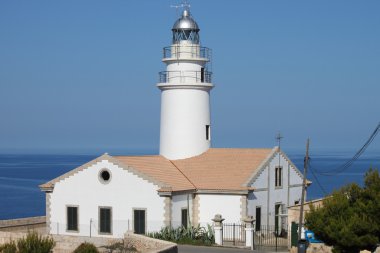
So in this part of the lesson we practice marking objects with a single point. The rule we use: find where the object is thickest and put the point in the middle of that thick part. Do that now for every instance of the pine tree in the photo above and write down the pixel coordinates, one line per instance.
(349, 220)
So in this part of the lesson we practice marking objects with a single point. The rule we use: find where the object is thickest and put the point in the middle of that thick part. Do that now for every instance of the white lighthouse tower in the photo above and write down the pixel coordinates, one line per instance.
(185, 93)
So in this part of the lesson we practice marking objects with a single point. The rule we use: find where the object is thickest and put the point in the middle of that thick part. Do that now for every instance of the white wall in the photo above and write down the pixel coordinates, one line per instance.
(124, 192)
(184, 116)
(295, 195)
(295, 178)
(267, 195)
(258, 199)
(226, 205)
(179, 202)
(261, 180)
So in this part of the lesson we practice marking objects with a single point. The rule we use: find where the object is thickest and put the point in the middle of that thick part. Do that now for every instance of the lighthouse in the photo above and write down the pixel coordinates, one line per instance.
(185, 127)
(220, 180)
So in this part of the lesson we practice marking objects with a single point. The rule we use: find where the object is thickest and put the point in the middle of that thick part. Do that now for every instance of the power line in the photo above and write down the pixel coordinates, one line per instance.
(305, 165)
(316, 178)
(348, 164)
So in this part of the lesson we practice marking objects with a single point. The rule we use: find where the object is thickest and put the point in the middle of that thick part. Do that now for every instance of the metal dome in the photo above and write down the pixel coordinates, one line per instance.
(186, 22)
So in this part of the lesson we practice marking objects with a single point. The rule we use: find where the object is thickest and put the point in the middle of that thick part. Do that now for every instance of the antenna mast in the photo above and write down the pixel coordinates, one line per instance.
(185, 5)
(278, 138)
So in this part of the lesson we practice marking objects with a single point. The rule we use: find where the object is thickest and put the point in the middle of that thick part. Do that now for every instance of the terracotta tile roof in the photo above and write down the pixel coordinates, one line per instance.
(223, 168)
(218, 169)
(160, 169)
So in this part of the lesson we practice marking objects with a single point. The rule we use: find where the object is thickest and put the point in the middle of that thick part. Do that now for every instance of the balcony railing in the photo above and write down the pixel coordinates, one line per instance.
(185, 76)
(187, 51)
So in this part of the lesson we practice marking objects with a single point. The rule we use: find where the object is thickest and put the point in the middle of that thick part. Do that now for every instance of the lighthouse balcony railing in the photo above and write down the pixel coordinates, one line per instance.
(187, 51)
(185, 76)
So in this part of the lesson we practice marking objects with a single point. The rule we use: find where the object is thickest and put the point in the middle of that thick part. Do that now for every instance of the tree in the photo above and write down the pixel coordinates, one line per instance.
(349, 219)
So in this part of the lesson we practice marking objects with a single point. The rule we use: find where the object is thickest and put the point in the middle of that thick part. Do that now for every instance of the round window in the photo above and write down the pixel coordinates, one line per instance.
(105, 176)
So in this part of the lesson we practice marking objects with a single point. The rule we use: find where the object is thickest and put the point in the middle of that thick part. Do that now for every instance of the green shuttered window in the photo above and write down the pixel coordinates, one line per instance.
(105, 220)
(139, 221)
(72, 218)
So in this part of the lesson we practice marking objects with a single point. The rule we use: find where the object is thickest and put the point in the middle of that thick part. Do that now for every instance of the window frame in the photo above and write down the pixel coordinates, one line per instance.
(187, 217)
(99, 223)
(145, 218)
(208, 132)
(67, 219)
(277, 217)
(101, 178)
(278, 177)
(258, 228)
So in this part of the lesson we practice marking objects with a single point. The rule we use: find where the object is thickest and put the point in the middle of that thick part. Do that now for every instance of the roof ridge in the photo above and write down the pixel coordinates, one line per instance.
(138, 156)
(182, 174)
(71, 172)
(261, 166)
(136, 172)
(241, 148)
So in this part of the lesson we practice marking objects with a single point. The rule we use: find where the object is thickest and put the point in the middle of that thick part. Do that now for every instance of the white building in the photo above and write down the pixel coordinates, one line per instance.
(189, 182)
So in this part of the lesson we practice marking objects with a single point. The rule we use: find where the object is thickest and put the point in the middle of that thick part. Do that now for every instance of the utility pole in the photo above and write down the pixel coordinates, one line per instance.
(305, 164)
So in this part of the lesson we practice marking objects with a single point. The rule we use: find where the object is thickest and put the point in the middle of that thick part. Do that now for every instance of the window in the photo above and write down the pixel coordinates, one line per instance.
(139, 221)
(105, 216)
(278, 177)
(208, 132)
(258, 218)
(72, 218)
(184, 217)
(105, 176)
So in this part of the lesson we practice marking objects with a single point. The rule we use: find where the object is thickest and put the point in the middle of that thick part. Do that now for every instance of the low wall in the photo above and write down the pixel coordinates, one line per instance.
(67, 244)
(322, 248)
(147, 244)
(24, 224)
(314, 248)
(6, 237)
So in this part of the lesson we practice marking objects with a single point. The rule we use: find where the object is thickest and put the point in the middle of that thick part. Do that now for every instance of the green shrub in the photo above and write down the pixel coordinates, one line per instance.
(86, 248)
(8, 247)
(191, 235)
(35, 243)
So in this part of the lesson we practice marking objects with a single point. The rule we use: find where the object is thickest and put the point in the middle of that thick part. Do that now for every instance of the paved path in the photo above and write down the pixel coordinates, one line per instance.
(201, 249)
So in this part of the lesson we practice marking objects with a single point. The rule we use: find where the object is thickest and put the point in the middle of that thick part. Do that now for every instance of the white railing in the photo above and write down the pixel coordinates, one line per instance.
(187, 51)
(185, 76)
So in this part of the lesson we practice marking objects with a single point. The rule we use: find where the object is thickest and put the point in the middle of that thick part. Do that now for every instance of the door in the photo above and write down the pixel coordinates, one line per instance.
(294, 236)
(139, 221)
(258, 218)
(277, 217)
(202, 75)
(184, 217)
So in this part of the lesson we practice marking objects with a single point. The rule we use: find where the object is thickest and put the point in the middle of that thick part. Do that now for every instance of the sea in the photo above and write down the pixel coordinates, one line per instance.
(20, 175)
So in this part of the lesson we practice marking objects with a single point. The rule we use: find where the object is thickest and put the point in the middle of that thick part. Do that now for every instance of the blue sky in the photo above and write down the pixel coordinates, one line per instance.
(79, 76)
